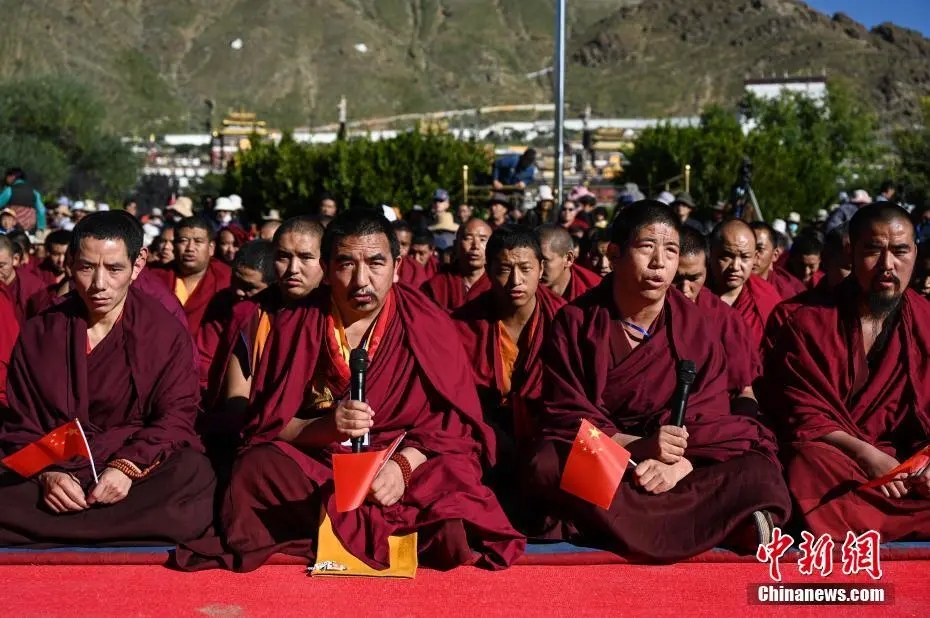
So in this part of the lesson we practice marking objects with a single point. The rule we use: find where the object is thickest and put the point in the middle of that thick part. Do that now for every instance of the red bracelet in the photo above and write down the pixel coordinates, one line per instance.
(405, 468)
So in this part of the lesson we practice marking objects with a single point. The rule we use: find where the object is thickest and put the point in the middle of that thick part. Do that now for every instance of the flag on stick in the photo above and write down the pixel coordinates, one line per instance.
(912, 466)
(595, 466)
(60, 445)
(353, 474)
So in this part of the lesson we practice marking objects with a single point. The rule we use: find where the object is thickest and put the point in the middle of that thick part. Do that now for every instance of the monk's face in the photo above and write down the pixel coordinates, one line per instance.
(600, 258)
(421, 253)
(226, 246)
(556, 267)
(692, 273)
(806, 266)
(328, 208)
(472, 243)
(883, 261)
(297, 262)
(361, 271)
(647, 267)
(404, 238)
(57, 254)
(515, 276)
(732, 258)
(192, 249)
(7, 269)
(248, 281)
(765, 253)
(102, 274)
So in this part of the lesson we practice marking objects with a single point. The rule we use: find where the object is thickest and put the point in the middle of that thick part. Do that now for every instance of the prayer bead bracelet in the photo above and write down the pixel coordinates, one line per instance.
(405, 468)
(128, 468)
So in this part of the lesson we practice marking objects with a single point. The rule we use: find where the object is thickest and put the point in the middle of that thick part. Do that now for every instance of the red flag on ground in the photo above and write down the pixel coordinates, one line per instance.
(913, 465)
(595, 466)
(60, 445)
(353, 474)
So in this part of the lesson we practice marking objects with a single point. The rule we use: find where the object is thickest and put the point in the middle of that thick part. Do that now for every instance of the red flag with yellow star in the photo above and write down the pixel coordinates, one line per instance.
(594, 467)
(60, 445)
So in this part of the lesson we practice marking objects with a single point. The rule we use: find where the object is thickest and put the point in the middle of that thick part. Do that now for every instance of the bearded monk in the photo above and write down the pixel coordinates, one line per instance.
(52, 269)
(112, 357)
(764, 266)
(732, 253)
(18, 284)
(742, 360)
(848, 386)
(302, 415)
(468, 280)
(804, 259)
(503, 331)
(611, 359)
(410, 271)
(195, 276)
(561, 273)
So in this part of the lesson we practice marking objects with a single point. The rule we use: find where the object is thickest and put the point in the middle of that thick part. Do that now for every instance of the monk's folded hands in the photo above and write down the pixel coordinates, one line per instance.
(388, 487)
(657, 477)
(62, 493)
(921, 482)
(112, 487)
(667, 445)
(876, 463)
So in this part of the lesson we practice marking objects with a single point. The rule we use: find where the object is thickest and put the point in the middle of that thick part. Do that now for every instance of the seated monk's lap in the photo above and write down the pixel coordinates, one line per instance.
(174, 503)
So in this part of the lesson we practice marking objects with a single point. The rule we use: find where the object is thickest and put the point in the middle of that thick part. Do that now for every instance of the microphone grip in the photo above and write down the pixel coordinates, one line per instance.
(680, 403)
(357, 393)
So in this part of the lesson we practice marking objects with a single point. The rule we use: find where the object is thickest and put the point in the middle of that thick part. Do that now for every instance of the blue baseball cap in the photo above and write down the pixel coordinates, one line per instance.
(441, 195)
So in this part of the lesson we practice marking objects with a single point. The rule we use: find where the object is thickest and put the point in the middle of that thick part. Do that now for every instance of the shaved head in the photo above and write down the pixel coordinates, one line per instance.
(732, 256)
(693, 242)
(470, 243)
(473, 227)
(884, 254)
(304, 224)
(556, 238)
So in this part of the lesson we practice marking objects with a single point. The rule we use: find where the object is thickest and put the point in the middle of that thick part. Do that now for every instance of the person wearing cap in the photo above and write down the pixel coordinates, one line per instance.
(794, 224)
(25, 201)
(451, 290)
(684, 206)
(499, 206)
(152, 226)
(844, 213)
(8, 220)
(666, 197)
(270, 224)
(223, 211)
(444, 230)
(440, 205)
(545, 204)
(562, 273)
(514, 171)
(183, 208)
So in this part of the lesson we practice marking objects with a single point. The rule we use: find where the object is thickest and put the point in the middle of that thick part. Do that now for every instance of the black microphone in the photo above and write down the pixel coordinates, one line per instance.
(686, 373)
(358, 365)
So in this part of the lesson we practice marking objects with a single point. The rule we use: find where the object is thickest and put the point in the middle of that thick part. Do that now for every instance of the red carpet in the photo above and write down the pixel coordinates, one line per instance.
(700, 589)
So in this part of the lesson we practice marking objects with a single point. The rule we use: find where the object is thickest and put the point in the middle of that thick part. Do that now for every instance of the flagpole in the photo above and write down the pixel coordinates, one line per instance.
(90, 456)
(559, 96)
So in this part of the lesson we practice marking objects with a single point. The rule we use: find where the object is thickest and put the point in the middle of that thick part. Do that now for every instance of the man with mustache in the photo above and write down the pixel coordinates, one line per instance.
(451, 290)
(562, 273)
(784, 283)
(847, 385)
(195, 276)
(732, 255)
(282, 483)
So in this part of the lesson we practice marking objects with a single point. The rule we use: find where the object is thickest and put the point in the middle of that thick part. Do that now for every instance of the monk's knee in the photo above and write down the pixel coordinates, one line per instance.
(543, 473)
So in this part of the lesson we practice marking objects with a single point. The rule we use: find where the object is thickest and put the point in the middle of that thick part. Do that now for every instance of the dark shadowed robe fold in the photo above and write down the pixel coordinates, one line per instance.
(411, 272)
(136, 396)
(9, 332)
(755, 303)
(448, 290)
(743, 361)
(582, 280)
(786, 284)
(591, 373)
(217, 277)
(415, 385)
(817, 380)
(24, 287)
(785, 309)
(44, 271)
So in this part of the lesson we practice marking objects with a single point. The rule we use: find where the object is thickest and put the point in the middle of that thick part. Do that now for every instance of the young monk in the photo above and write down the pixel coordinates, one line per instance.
(764, 266)
(743, 361)
(52, 268)
(414, 383)
(804, 259)
(732, 253)
(611, 359)
(18, 283)
(561, 273)
(503, 331)
(451, 290)
(410, 272)
(423, 250)
(848, 385)
(195, 276)
(112, 357)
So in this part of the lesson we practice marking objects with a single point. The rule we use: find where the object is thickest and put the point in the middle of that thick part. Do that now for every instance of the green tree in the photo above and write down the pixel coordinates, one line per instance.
(913, 149)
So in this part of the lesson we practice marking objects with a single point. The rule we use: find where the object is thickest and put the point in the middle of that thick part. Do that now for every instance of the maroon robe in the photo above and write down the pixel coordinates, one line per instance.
(785, 309)
(44, 271)
(743, 361)
(786, 284)
(582, 280)
(22, 289)
(217, 277)
(213, 329)
(817, 380)
(415, 384)
(411, 272)
(591, 373)
(448, 290)
(755, 303)
(136, 397)
(9, 332)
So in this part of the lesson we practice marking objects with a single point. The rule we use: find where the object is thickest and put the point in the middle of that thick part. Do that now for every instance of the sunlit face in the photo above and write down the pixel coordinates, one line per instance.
(647, 267)
(247, 282)
(765, 252)
(193, 249)
(568, 212)
(421, 253)
(692, 273)
(600, 258)
(297, 262)
(404, 238)
(361, 271)
(102, 274)
(556, 268)
(226, 246)
(464, 212)
(7, 268)
(515, 276)
(732, 259)
(57, 254)
(7, 221)
(472, 243)
(883, 259)
(328, 208)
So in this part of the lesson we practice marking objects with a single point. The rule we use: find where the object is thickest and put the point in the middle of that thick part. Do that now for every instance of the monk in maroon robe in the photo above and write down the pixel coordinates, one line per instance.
(410, 272)
(113, 358)
(764, 266)
(195, 277)
(414, 384)
(468, 280)
(9, 332)
(561, 272)
(848, 387)
(423, 250)
(51, 269)
(612, 360)
(804, 259)
(743, 361)
(732, 254)
(19, 284)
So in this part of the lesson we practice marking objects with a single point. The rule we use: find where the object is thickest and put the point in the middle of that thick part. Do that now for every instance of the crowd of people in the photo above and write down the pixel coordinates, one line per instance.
(208, 363)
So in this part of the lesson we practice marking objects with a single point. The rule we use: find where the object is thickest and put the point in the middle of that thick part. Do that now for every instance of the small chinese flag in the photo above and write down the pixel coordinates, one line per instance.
(353, 474)
(914, 465)
(594, 467)
(60, 445)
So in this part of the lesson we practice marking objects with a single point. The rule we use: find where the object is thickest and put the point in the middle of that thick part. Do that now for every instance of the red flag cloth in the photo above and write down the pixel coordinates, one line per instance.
(57, 446)
(913, 465)
(595, 466)
(353, 474)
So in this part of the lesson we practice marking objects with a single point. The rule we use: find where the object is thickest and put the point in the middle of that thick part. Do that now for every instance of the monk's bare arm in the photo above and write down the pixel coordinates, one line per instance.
(237, 385)
(311, 433)
(854, 447)
(625, 439)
